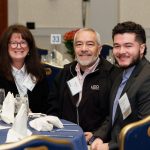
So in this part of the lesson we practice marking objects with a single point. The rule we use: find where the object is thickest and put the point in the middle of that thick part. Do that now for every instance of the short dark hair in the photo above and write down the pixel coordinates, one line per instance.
(131, 27)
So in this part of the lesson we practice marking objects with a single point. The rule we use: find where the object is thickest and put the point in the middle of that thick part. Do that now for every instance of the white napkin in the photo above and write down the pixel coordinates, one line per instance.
(8, 109)
(54, 120)
(59, 56)
(19, 128)
(65, 61)
(40, 124)
(46, 123)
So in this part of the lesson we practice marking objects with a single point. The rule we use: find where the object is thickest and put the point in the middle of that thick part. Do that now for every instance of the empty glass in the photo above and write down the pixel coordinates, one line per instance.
(2, 97)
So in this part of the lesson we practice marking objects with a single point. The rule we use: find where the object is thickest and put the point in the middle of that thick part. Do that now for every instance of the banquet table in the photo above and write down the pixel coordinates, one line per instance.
(71, 131)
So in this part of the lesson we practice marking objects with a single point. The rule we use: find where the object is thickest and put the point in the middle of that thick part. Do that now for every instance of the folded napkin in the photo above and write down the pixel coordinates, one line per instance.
(40, 124)
(54, 120)
(8, 108)
(46, 123)
(19, 128)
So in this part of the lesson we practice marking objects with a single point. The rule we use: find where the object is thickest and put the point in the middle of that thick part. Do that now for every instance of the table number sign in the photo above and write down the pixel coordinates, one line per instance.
(55, 39)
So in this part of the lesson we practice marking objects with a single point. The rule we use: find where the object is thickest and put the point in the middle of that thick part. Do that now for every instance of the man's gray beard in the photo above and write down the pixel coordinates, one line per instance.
(88, 62)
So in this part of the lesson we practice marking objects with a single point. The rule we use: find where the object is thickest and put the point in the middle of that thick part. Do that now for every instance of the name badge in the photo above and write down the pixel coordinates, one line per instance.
(29, 83)
(74, 86)
(125, 106)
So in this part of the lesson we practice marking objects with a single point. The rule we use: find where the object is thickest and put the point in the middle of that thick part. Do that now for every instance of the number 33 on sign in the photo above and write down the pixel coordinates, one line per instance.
(55, 39)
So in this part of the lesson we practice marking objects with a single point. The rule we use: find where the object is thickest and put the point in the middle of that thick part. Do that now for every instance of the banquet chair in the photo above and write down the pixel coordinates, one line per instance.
(136, 135)
(41, 51)
(38, 142)
(51, 72)
(105, 51)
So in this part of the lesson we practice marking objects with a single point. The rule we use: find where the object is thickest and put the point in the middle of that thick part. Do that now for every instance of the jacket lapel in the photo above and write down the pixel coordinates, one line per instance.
(113, 94)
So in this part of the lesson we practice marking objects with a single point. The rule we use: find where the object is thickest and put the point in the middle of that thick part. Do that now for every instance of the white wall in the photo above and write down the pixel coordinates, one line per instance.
(103, 16)
(59, 16)
(46, 13)
(12, 11)
(65, 14)
(50, 16)
(138, 11)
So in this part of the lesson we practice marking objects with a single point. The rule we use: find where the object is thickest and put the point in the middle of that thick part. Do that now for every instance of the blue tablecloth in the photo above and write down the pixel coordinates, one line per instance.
(75, 134)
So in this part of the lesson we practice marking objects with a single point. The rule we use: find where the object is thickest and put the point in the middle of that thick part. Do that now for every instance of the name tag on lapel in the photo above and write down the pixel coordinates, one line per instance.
(125, 106)
(29, 83)
(74, 86)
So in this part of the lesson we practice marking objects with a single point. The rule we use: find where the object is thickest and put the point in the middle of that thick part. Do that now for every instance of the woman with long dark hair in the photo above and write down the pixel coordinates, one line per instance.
(21, 71)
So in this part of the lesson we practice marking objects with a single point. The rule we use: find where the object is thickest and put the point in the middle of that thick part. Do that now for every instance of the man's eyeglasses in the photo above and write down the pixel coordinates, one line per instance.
(22, 44)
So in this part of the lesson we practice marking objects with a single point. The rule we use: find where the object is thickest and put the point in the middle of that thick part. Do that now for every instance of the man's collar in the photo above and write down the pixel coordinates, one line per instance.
(128, 72)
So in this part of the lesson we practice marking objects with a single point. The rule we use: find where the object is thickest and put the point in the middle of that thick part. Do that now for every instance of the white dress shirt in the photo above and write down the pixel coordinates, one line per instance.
(19, 77)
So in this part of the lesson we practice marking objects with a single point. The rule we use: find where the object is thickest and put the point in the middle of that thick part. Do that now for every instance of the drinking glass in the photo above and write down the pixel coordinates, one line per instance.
(19, 100)
(2, 97)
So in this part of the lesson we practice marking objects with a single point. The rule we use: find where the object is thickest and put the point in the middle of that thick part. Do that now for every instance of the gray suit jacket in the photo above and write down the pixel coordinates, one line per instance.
(137, 89)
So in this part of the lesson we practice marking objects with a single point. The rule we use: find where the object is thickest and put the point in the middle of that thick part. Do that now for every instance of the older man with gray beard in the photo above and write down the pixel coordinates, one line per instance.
(80, 93)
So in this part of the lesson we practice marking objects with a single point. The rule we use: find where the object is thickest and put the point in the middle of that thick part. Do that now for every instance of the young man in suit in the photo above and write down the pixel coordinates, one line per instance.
(130, 94)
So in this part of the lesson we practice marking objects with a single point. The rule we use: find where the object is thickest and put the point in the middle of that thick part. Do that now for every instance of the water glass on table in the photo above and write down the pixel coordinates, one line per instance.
(2, 97)
(20, 99)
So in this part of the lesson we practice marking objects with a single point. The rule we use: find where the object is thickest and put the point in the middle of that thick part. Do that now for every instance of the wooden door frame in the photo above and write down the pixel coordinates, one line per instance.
(3, 15)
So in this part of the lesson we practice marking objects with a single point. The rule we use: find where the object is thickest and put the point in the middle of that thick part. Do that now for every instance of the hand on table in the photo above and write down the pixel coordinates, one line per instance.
(99, 145)
(88, 135)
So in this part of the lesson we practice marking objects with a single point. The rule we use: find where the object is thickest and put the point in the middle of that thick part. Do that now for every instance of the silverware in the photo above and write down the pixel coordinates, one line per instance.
(67, 130)
(36, 115)
(69, 124)
(59, 136)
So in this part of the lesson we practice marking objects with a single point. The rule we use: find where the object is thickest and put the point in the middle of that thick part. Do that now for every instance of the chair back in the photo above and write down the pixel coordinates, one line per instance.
(136, 135)
(42, 51)
(38, 142)
(51, 72)
(105, 51)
